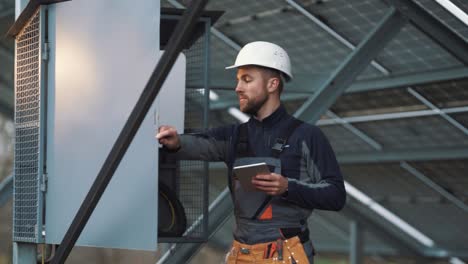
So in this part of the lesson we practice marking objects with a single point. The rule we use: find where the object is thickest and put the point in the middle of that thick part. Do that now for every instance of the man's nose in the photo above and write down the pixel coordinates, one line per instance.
(238, 87)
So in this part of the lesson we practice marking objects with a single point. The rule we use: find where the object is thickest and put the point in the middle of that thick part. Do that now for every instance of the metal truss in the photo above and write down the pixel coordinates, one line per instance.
(333, 33)
(354, 64)
(349, 77)
(389, 116)
(355, 131)
(422, 154)
(432, 27)
(442, 114)
(457, 202)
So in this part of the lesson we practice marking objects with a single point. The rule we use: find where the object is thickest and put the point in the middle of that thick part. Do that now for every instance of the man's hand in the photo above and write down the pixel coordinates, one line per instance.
(168, 136)
(271, 184)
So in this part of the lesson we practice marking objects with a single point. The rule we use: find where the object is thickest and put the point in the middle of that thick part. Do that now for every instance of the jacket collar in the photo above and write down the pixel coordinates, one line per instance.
(272, 119)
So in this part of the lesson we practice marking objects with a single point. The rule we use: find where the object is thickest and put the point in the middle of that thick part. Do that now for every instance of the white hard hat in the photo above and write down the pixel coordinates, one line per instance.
(264, 54)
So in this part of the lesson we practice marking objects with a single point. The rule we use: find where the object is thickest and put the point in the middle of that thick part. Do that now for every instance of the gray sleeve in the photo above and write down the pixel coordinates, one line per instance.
(201, 147)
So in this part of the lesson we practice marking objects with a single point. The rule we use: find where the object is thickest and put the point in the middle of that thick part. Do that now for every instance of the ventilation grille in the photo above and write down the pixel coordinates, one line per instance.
(27, 133)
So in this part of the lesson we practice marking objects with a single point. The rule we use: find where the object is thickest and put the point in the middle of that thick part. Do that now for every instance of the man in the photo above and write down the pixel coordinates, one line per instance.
(271, 223)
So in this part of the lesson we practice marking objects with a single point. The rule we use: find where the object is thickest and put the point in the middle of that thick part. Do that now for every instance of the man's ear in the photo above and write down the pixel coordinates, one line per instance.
(273, 84)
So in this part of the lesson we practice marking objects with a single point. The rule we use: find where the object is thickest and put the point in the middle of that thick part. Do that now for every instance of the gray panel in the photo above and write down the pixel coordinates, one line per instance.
(445, 223)
(376, 102)
(447, 18)
(461, 118)
(413, 51)
(446, 94)
(387, 182)
(343, 141)
(310, 48)
(27, 217)
(240, 9)
(99, 65)
(422, 132)
(353, 20)
(448, 174)
(221, 56)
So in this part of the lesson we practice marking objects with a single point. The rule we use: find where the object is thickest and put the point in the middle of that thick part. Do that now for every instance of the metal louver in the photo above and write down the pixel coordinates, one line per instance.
(27, 202)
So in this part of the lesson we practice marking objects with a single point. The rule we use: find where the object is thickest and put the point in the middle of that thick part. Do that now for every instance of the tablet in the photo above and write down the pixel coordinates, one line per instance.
(245, 173)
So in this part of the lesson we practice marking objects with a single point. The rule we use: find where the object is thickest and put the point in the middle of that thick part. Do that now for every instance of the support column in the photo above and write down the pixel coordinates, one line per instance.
(24, 253)
(356, 248)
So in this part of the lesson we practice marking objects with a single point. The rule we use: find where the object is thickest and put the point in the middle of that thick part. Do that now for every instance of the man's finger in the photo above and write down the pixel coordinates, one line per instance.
(163, 134)
(264, 183)
(264, 177)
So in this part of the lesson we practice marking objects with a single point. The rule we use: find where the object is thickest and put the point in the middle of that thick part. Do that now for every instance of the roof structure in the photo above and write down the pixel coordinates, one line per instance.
(386, 80)
(398, 123)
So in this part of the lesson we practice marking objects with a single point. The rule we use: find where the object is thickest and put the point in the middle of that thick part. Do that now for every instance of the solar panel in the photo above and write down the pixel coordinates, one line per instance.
(462, 118)
(449, 174)
(412, 51)
(376, 102)
(445, 17)
(383, 181)
(343, 141)
(311, 49)
(421, 132)
(446, 94)
(443, 222)
(352, 20)
(236, 9)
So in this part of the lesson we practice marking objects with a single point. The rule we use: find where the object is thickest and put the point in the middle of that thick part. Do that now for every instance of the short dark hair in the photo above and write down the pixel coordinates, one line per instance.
(274, 73)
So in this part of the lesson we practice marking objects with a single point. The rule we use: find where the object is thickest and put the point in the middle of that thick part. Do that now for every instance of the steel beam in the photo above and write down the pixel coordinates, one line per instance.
(457, 202)
(356, 62)
(6, 190)
(333, 33)
(220, 35)
(432, 27)
(442, 253)
(300, 87)
(356, 247)
(355, 131)
(412, 79)
(389, 116)
(423, 154)
(449, 119)
(380, 227)
(306, 83)
(454, 10)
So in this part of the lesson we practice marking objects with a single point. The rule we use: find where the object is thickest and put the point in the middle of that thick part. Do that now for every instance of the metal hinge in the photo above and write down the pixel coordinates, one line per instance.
(44, 182)
(43, 232)
(45, 52)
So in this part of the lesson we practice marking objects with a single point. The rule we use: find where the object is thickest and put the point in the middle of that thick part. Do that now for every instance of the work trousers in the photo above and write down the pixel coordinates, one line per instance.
(293, 251)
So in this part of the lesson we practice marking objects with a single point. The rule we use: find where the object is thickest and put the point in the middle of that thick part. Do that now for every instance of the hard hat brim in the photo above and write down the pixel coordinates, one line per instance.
(287, 76)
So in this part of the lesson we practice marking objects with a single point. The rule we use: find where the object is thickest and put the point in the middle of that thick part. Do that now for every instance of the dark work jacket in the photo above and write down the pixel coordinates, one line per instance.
(308, 161)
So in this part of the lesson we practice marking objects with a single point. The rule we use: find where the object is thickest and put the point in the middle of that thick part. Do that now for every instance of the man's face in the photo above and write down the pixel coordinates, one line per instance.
(251, 89)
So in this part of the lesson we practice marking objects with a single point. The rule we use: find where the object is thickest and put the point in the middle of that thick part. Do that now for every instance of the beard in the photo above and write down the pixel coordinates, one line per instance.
(252, 106)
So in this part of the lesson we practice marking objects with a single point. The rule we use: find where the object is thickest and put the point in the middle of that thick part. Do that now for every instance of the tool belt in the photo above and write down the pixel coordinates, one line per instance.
(295, 231)
(288, 251)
